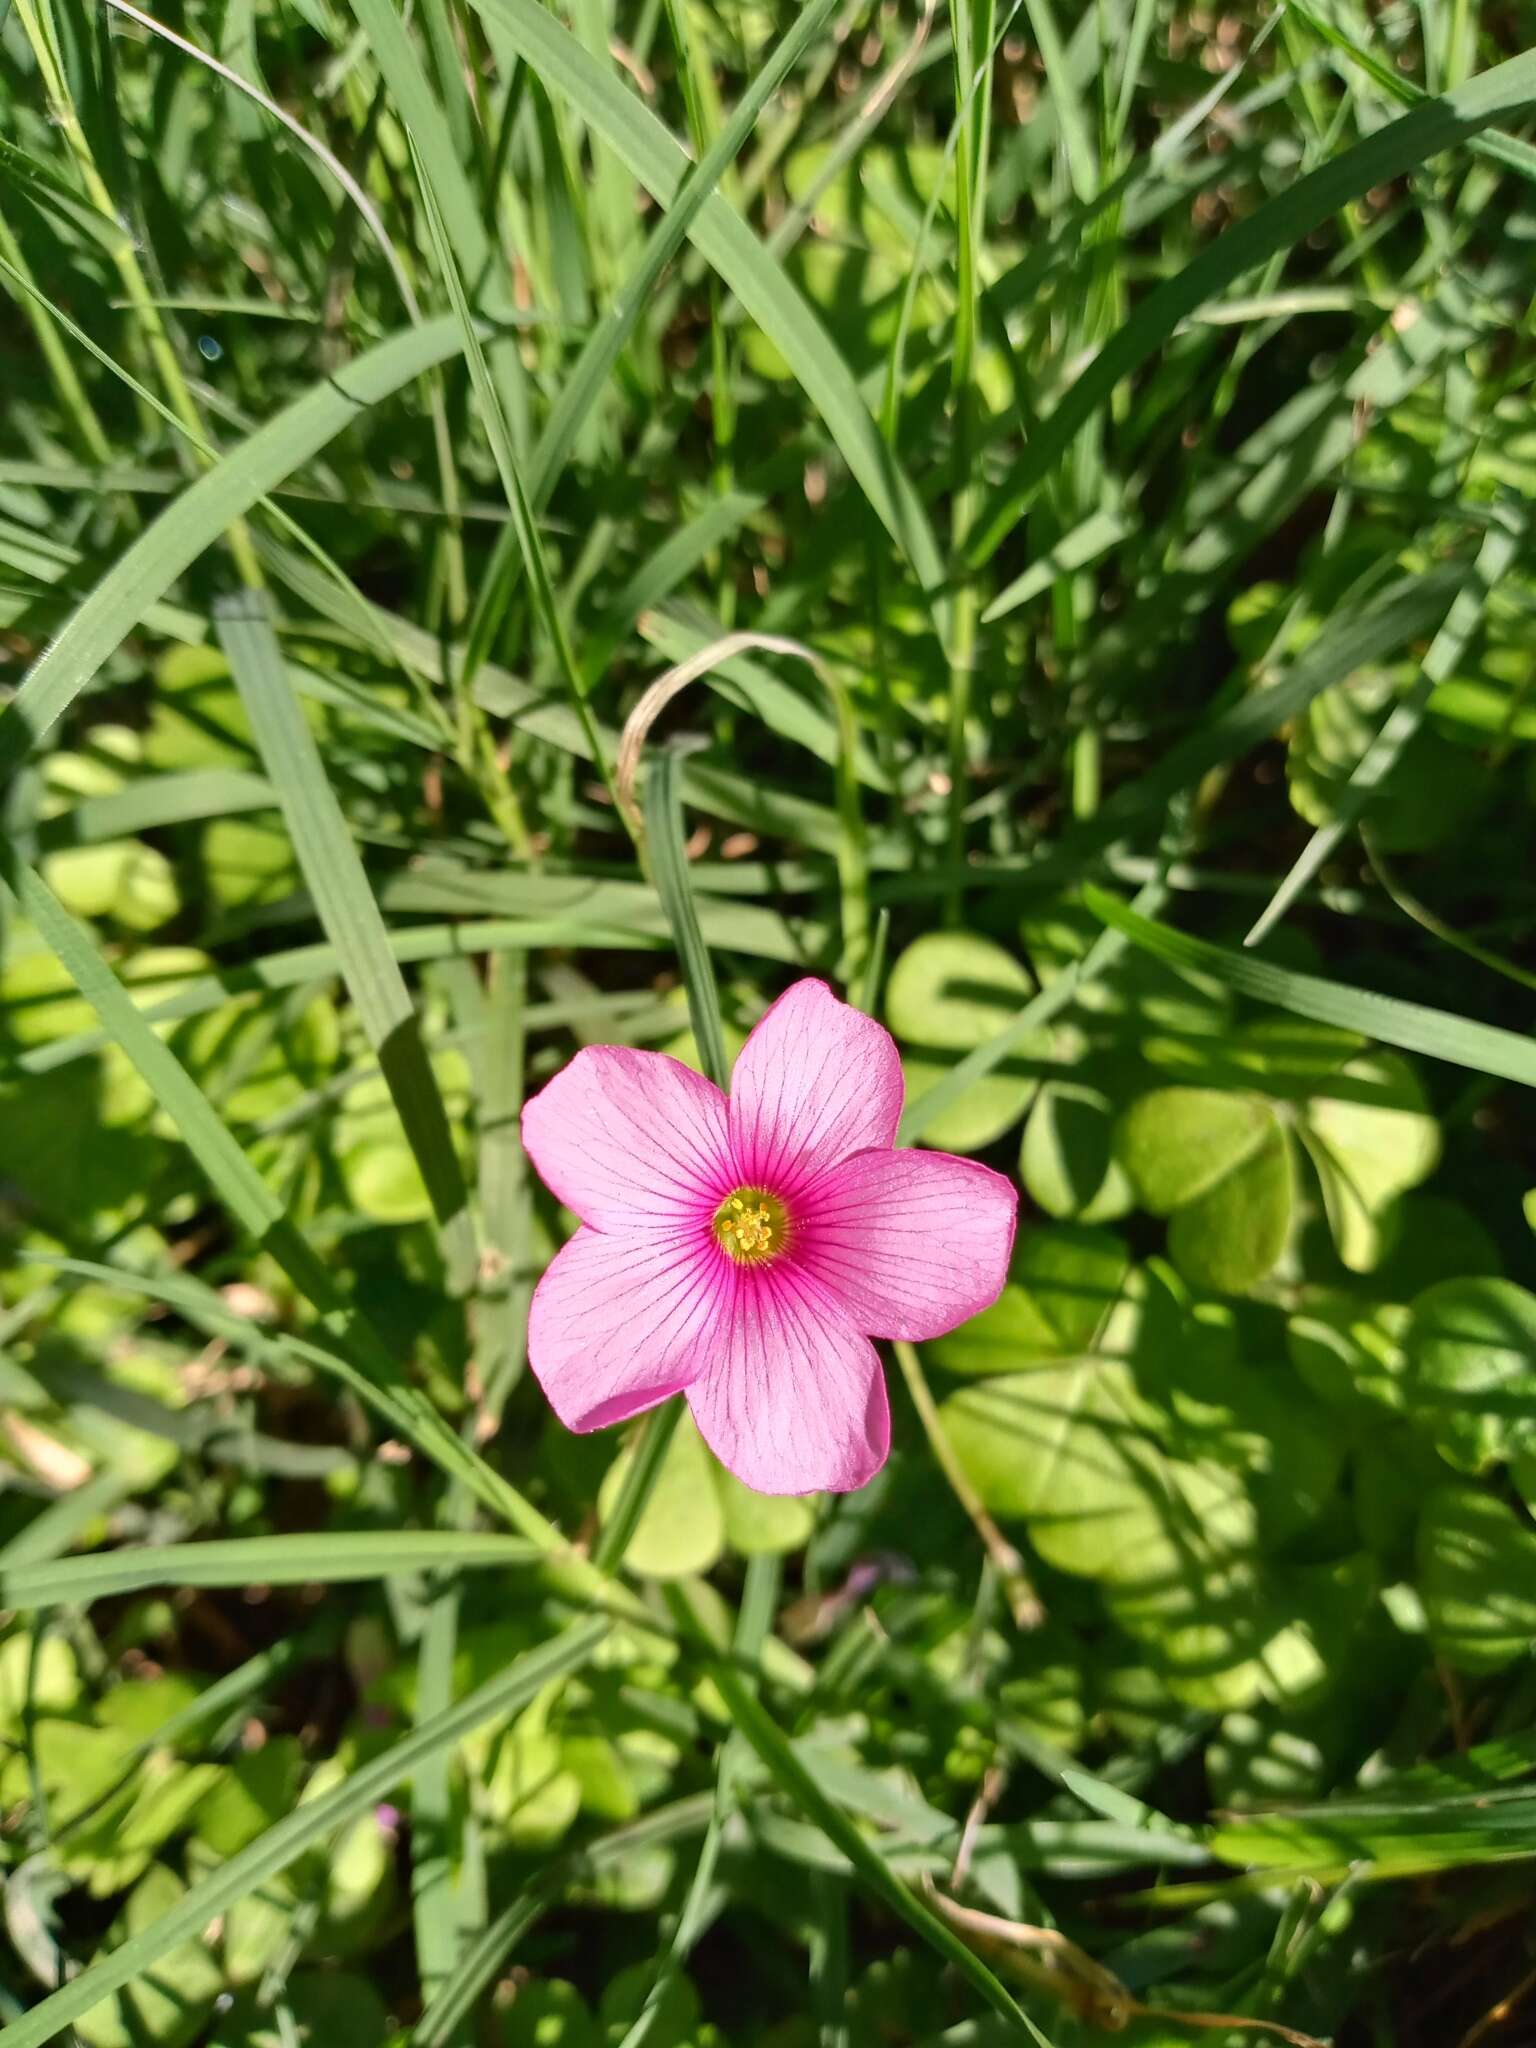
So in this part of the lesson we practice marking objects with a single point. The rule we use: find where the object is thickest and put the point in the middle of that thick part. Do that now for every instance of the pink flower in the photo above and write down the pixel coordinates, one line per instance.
(744, 1252)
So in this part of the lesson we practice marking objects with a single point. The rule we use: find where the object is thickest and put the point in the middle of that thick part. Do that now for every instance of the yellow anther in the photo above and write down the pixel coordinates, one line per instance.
(751, 1226)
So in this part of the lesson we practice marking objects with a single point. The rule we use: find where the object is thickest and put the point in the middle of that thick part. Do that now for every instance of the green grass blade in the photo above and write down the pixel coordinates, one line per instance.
(504, 1183)
(652, 1442)
(494, 420)
(145, 571)
(154, 801)
(1435, 125)
(58, 1526)
(1507, 150)
(657, 159)
(754, 1621)
(1085, 543)
(1413, 1026)
(350, 918)
(1405, 609)
(1500, 547)
(236, 1182)
(406, 1410)
(307, 1827)
(607, 341)
(483, 1960)
(1039, 1010)
(665, 839)
(335, 1558)
(419, 108)
(292, 968)
(759, 1728)
(436, 1829)
(1066, 99)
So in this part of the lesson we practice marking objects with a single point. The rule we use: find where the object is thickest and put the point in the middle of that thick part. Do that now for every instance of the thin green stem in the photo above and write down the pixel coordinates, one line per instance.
(852, 843)
(88, 431)
(970, 178)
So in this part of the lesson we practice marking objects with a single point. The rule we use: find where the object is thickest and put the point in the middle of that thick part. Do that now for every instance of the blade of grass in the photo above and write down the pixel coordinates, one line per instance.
(1421, 914)
(502, 1318)
(419, 109)
(965, 403)
(1277, 225)
(313, 963)
(186, 796)
(56, 1527)
(84, 421)
(368, 212)
(406, 1409)
(480, 1964)
(230, 1694)
(657, 159)
(1413, 1026)
(754, 1620)
(436, 1830)
(311, 1824)
(40, 27)
(759, 1728)
(1501, 545)
(1406, 608)
(1507, 150)
(608, 339)
(353, 604)
(1085, 543)
(350, 918)
(144, 572)
(340, 1556)
(1039, 1010)
(494, 420)
(256, 1209)
(652, 1441)
(665, 841)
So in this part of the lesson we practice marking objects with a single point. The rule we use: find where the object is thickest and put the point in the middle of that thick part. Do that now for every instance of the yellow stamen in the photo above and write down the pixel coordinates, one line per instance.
(751, 1225)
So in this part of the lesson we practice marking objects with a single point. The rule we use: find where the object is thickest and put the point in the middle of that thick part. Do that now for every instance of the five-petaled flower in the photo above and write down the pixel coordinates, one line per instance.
(744, 1252)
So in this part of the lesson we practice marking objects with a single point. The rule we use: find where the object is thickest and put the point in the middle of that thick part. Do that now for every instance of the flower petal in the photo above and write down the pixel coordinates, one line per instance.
(625, 1137)
(816, 1081)
(620, 1321)
(911, 1243)
(794, 1398)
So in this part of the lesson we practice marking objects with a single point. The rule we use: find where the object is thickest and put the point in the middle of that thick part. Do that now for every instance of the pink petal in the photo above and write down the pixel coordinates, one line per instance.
(816, 1081)
(619, 1322)
(794, 1398)
(625, 1137)
(911, 1243)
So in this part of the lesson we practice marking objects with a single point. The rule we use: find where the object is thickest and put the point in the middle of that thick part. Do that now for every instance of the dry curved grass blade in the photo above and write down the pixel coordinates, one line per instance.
(658, 695)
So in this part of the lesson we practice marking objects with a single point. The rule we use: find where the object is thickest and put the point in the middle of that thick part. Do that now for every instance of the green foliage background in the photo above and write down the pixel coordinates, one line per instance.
(1084, 457)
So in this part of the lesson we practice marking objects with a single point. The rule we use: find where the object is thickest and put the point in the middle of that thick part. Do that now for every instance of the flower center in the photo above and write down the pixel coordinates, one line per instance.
(752, 1226)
